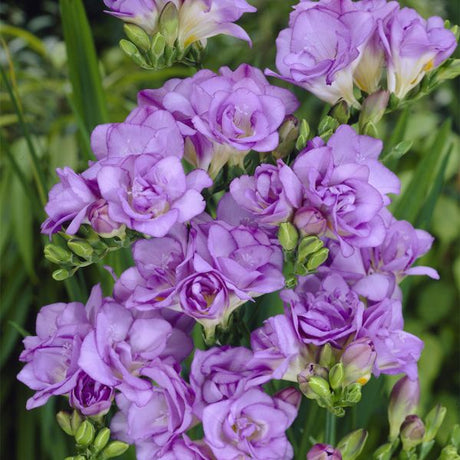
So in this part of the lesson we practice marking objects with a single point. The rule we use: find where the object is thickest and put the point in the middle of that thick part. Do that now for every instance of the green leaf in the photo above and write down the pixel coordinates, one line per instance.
(412, 201)
(88, 94)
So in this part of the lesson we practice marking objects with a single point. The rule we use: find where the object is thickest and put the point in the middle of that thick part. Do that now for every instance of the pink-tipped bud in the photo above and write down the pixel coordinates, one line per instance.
(323, 452)
(358, 360)
(310, 221)
(290, 395)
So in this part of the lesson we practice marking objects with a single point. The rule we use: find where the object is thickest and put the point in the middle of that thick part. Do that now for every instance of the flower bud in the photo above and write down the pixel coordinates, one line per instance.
(449, 453)
(373, 108)
(433, 422)
(61, 274)
(341, 112)
(310, 221)
(157, 48)
(138, 36)
(323, 452)
(404, 400)
(288, 236)
(101, 440)
(131, 50)
(336, 375)
(75, 421)
(169, 23)
(81, 248)
(352, 444)
(320, 387)
(308, 246)
(114, 449)
(85, 434)
(288, 133)
(412, 432)
(290, 395)
(63, 419)
(326, 356)
(358, 360)
(57, 255)
(317, 259)
(353, 393)
(327, 124)
(384, 452)
(98, 216)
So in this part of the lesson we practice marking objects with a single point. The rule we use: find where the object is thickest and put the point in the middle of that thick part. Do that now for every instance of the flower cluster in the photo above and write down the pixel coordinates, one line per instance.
(203, 259)
(365, 39)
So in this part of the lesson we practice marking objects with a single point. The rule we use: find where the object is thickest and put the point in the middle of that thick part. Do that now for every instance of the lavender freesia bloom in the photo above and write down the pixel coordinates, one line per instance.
(180, 447)
(324, 67)
(145, 130)
(253, 424)
(397, 350)
(271, 195)
(198, 19)
(230, 113)
(91, 397)
(121, 345)
(325, 311)
(414, 46)
(150, 194)
(223, 373)
(323, 452)
(345, 189)
(165, 414)
(52, 355)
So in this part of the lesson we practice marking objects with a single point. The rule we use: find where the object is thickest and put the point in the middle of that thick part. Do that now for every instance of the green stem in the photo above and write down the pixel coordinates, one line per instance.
(38, 175)
(312, 416)
(330, 429)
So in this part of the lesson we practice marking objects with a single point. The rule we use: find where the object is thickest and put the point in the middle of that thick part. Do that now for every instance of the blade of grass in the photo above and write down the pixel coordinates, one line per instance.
(410, 204)
(37, 171)
(88, 94)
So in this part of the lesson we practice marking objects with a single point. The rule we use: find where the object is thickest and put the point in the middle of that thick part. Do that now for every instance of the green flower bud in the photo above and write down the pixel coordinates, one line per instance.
(455, 436)
(326, 356)
(304, 129)
(384, 452)
(63, 419)
(168, 23)
(412, 432)
(158, 46)
(57, 255)
(288, 236)
(308, 246)
(320, 387)
(75, 421)
(300, 270)
(336, 375)
(449, 453)
(290, 282)
(327, 124)
(85, 434)
(341, 112)
(433, 422)
(81, 247)
(317, 259)
(353, 393)
(61, 274)
(369, 129)
(131, 50)
(114, 449)
(138, 36)
(101, 440)
(288, 134)
(352, 444)
(373, 108)
(301, 142)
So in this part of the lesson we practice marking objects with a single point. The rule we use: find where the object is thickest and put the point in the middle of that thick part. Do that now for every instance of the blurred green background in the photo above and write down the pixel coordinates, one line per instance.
(33, 55)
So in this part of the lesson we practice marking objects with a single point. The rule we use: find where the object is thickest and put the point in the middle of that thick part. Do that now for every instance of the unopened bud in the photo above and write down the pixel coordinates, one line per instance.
(61, 274)
(138, 36)
(101, 439)
(373, 108)
(80, 247)
(384, 452)
(168, 23)
(130, 49)
(323, 452)
(320, 387)
(310, 221)
(341, 112)
(114, 449)
(288, 236)
(358, 360)
(352, 444)
(326, 356)
(304, 377)
(353, 393)
(290, 395)
(433, 422)
(336, 376)
(75, 421)
(288, 134)
(449, 453)
(327, 124)
(56, 254)
(63, 419)
(317, 259)
(404, 400)
(158, 46)
(85, 434)
(412, 432)
(308, 246)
